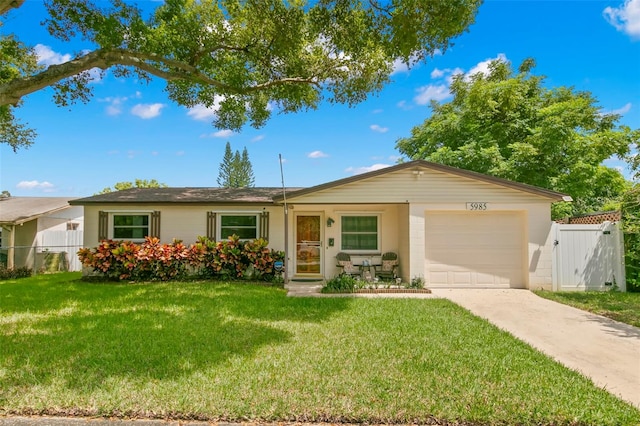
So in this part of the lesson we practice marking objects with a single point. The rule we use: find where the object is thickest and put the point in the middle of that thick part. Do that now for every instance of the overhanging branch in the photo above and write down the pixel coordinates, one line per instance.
(165, 68)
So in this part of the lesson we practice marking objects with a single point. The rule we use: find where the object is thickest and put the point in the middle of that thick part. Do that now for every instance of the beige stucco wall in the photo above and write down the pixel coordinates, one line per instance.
(24, 241)
(183, 221)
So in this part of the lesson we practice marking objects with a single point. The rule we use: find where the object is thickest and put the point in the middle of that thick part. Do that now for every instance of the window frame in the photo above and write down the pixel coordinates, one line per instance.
(361, 250)
(112, 226)
(219, 219)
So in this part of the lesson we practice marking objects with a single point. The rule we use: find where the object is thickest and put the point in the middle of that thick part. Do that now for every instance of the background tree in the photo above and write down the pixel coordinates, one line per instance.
(139, 183)
(241, 55)
(226, 168)
(631, 227)
(509, 125)
(245, 172)
(236, 170)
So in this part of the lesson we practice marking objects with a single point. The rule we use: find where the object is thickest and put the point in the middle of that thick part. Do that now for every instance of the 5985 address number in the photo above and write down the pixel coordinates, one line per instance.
(476, 205)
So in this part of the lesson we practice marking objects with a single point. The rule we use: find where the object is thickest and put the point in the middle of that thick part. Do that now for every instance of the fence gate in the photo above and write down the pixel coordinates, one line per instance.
(588, 257)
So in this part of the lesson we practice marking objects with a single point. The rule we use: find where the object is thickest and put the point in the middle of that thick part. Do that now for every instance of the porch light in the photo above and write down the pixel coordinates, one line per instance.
(330, 222)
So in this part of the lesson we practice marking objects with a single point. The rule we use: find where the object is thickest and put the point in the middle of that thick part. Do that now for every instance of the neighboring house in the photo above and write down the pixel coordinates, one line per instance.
(34, 228)
(452, 227)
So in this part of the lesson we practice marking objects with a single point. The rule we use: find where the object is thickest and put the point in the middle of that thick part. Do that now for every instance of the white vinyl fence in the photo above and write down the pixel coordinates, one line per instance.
(588, 257)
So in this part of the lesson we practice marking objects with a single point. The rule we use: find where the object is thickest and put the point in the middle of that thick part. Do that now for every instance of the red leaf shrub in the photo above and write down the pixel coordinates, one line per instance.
(151, 260)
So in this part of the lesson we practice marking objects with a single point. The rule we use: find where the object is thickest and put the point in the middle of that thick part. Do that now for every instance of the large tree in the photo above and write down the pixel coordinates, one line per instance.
(139, 183)
(236, 170)
(240, 55)
(506, 123)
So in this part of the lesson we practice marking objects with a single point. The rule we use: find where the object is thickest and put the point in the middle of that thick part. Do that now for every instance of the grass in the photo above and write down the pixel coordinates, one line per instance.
(623, 307)
(237, 352)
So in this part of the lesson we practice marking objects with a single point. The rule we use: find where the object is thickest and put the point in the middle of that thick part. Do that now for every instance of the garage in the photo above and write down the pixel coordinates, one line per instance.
(475, 249)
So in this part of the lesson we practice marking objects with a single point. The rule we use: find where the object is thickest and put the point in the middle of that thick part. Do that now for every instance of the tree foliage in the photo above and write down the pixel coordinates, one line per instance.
(139, 183)
(235, 170)
(240, 55)
(508, 124)
(631, 227)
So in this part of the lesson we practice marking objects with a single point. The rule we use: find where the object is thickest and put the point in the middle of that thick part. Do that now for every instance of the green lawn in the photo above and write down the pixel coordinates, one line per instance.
(623, 307)
(216, 351)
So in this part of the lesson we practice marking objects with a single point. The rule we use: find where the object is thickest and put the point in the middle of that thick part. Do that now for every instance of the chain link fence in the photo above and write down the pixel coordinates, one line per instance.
(42, 259)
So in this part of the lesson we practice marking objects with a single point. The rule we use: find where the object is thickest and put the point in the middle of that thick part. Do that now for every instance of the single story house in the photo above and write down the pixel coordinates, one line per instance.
(451, 227)
(31, 226)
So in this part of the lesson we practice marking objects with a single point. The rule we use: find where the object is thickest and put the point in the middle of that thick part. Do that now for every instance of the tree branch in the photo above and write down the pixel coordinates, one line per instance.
(7, 5)
(159, 66)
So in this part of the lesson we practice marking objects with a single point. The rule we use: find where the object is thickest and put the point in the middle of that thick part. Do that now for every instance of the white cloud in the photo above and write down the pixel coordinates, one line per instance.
(403, 105)
(622, 110)
(483, 67)
(204, 113)
(437, 73)
(436, 92)
(46, 55)
(379, 129)
(180, 153)
(399, 66)
(147, 111)
(257, 138)
(115, 104)
(222, 134)
(365, 169)
(34, 184)
(317, 154)
(625, 18)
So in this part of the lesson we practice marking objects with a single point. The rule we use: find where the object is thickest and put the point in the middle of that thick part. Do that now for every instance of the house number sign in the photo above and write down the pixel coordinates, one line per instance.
(477, 205)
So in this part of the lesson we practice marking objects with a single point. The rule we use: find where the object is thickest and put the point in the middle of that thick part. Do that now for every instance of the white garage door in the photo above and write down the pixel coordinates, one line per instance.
(474, 249)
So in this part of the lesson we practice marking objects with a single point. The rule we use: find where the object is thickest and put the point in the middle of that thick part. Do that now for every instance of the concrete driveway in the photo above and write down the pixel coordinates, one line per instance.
(604, 350)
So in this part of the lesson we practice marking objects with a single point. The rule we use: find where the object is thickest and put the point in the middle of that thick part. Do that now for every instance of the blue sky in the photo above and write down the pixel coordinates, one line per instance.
(132, 131)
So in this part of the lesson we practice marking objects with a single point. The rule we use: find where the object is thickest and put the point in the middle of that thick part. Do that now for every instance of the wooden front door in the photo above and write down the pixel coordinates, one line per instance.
(308, 244)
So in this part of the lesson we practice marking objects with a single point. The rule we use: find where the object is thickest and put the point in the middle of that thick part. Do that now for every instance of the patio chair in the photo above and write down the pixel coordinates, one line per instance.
(348, 268)
(388, 271)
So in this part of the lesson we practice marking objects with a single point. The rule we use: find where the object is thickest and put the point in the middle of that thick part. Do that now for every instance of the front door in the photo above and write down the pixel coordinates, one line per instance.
(308, 244)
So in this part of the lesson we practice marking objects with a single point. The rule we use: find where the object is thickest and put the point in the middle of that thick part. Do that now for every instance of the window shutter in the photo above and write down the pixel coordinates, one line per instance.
(103, 225)
(211, 226)
(264, 225)
(154, 228)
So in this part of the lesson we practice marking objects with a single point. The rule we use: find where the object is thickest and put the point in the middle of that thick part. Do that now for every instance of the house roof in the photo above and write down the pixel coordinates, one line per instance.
(546, 193)
(230, 196)
(18, 210)
(186, 195)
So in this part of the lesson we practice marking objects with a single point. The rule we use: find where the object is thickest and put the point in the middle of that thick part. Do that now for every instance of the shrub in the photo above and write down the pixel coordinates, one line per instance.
(416, 282)
(341, 284)
(151, 260)
(14, 273)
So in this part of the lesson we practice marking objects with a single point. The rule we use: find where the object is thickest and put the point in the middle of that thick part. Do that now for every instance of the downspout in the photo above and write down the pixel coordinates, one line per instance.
(11, 252)
(286, 226)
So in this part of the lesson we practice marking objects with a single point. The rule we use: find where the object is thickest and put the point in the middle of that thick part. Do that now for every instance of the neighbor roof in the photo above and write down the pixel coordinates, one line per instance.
(186, 195)
(556, 196)
(18, 210)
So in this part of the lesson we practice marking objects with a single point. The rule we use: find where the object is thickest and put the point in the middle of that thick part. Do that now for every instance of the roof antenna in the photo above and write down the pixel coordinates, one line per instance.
(286, 225)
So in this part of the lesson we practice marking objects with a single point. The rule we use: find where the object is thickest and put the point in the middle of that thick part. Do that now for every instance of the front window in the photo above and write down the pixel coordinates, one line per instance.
(130, 226)
(244, 226)
(360, 233)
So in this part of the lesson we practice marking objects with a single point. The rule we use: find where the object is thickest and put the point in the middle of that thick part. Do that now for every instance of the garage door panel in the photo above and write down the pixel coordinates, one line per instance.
(474, 249)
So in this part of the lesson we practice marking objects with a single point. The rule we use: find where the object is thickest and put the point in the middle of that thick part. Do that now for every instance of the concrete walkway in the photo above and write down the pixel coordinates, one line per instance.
(606, 351)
